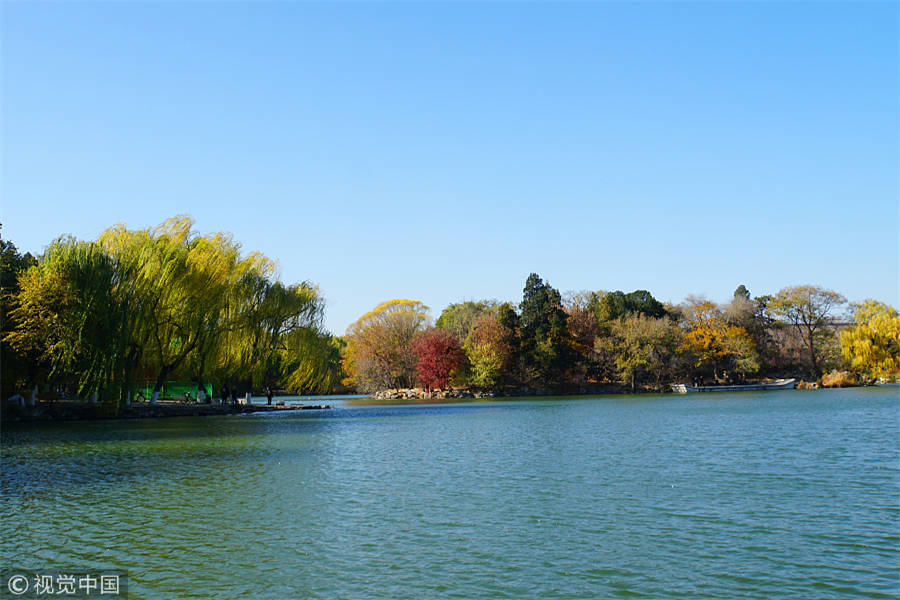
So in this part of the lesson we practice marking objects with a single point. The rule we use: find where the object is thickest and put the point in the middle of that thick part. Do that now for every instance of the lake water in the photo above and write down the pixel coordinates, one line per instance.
(792, 494)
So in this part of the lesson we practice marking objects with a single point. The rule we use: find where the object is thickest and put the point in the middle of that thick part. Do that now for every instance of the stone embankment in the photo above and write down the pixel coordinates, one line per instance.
(83, 411)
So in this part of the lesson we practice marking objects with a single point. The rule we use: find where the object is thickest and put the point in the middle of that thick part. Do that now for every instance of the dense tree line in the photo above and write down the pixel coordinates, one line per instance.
(551, 342)
(105, 317)
(99, 318)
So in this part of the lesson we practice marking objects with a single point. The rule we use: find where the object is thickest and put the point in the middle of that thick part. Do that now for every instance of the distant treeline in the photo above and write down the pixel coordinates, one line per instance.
(103, 318)
(139, 307)
(551, 342)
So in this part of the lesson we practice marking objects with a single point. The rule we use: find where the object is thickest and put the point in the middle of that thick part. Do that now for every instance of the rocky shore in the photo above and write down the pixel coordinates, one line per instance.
(829, 380)
(509, 392)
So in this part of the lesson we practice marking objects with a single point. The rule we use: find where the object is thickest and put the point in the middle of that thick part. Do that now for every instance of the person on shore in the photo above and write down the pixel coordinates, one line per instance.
(269, 395)
(223, 394)
(234, 395)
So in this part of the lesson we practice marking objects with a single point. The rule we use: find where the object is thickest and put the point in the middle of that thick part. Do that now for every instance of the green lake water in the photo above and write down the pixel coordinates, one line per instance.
(792, 494)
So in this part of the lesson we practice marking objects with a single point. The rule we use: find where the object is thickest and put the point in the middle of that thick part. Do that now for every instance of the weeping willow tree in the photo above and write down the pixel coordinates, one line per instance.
(72, 310)
(182, 278)
(310, 361)
(169, 301)
(269, 321)
(873, 345)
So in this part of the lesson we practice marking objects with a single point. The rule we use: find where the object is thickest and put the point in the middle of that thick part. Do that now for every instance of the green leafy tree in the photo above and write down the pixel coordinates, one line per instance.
(270, 317)
(310, 361)
(610, 306)
(545, 344)
(15, 368)
(459, 318)
(646, 348)
(168, 301)
(185, 285)
(71, 311)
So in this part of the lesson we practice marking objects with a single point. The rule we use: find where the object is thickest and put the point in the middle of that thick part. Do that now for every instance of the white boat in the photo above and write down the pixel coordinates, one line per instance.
(778, 384)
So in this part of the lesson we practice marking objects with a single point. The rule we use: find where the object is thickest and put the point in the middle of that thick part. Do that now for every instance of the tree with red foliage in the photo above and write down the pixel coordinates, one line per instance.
(438, 354)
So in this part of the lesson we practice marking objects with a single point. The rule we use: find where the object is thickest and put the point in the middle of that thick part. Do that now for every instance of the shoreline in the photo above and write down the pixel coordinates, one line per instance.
(462, 392)
(65, 411)
(86, 411)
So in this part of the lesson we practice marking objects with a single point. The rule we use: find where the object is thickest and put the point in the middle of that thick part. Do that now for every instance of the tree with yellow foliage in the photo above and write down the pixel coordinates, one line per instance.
(873, 346)
(715, 343)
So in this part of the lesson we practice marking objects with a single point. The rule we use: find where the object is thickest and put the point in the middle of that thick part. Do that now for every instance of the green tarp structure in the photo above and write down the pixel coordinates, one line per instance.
(175, 390)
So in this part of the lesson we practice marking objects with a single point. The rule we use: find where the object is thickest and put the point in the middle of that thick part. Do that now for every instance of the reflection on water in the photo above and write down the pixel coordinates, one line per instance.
(779, 494)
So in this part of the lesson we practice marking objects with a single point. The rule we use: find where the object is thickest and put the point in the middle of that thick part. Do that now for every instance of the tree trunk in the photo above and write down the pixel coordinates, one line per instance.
(160, 381)
(812, 357)
(810, 345)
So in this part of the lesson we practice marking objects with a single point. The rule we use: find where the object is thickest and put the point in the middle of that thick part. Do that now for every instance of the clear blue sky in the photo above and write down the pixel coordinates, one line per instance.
(444, 151)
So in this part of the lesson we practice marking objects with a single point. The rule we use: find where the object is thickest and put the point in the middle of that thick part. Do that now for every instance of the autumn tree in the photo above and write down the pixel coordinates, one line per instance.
(438, 355)
(581, 320)
(460, 317)
(872, 347)
(716, 344)
(488, 350)
(810, 311)
(752, 315)
(379, 353)
(645, 348)
(584, 329)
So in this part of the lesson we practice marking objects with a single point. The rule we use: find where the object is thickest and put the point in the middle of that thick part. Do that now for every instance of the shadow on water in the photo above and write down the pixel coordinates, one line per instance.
(48, 455)
(39, 457)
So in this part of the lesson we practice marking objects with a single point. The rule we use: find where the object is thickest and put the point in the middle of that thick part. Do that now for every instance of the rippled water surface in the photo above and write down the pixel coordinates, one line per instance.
(791, 494)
